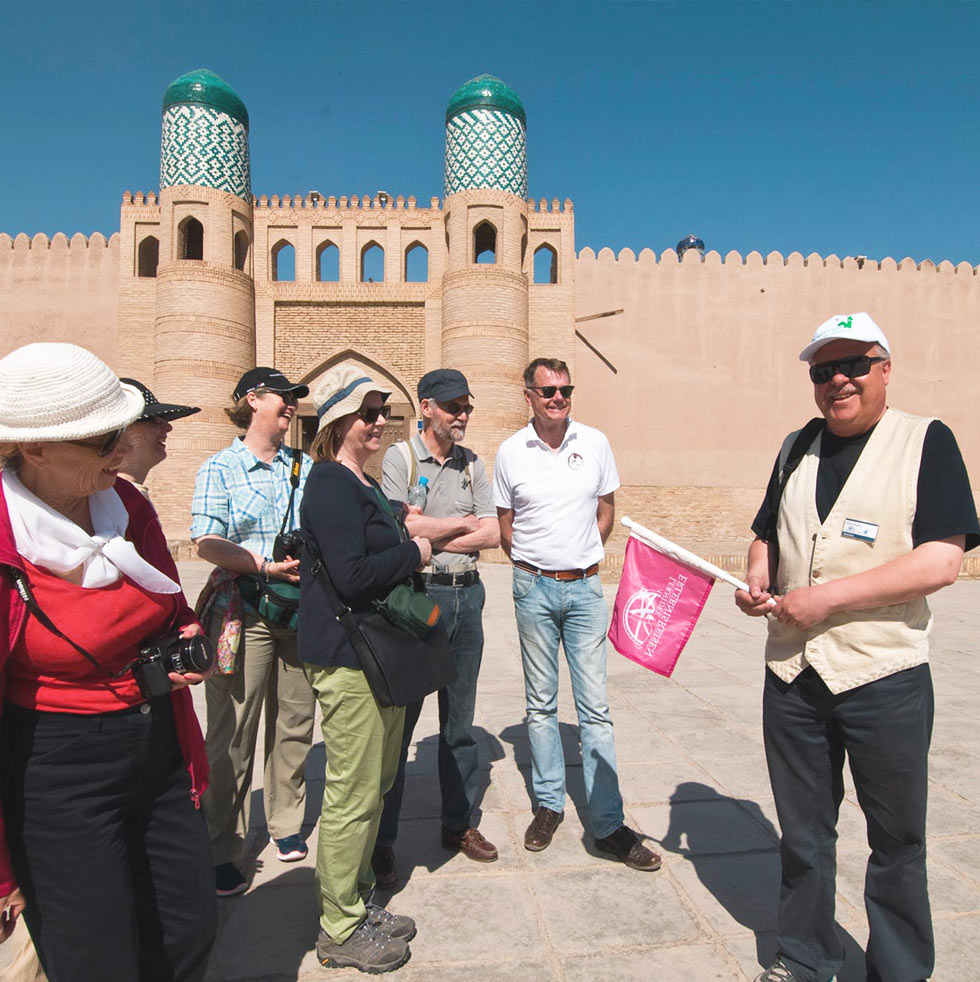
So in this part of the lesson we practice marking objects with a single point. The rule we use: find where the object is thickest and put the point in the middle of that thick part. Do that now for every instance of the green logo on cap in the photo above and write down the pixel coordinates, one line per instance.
(846, 324)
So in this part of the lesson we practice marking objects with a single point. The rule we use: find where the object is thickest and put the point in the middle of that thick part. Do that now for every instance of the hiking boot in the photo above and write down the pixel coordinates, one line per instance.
(471, 843)
(290, 849)
(368, 949)
(383, 864)
(228, 880)
(625, 845)
(542, 828)
(778, 972)
(397, 926)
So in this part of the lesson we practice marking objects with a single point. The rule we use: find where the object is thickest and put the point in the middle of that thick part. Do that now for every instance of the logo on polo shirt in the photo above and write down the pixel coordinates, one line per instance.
(575, 461)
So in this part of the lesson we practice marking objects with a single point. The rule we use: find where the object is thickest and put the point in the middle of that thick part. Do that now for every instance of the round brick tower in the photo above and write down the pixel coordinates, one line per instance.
(485, 288)
(205, 305)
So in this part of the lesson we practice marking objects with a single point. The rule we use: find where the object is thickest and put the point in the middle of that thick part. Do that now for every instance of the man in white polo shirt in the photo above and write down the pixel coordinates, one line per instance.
(553, 485)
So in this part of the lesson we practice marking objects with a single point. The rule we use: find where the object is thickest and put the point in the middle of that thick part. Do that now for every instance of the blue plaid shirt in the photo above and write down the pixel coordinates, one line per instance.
(244, 499)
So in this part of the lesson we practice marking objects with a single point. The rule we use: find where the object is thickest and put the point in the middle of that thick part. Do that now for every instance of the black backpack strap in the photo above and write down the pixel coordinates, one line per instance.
(797, 452)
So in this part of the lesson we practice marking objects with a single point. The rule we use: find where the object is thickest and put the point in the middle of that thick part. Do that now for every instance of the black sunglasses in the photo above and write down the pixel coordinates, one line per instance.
(548, 391)
(105, 446)
(856, 366)
(456, 408)
(371, 414)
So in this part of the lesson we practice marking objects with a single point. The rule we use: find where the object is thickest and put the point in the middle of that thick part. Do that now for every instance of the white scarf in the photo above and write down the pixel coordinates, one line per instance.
(47, 538)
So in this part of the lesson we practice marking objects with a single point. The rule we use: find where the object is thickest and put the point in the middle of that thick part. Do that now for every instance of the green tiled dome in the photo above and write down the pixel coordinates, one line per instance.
(486, 92)
(203, 87)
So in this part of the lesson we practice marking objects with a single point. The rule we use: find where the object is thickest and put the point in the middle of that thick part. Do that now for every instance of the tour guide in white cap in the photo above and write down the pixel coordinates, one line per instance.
(868, 511)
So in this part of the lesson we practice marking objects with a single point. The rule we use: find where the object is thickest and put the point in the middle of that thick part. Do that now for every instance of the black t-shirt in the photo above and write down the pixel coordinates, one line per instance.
(944, 505)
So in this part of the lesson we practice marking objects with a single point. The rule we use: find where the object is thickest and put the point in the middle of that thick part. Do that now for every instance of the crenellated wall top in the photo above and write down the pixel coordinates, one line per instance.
(317, 202)
(59, 242)
(797, 260)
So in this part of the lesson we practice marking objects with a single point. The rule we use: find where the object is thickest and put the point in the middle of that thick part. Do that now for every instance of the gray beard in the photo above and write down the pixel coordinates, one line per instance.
(453, 433)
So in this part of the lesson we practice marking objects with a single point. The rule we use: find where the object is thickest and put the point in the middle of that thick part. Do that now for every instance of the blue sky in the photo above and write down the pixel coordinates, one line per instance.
(819, 127)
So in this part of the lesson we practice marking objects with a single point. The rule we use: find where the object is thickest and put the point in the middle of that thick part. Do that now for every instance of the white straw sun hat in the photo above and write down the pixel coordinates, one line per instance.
(341, 391)
(54, 391)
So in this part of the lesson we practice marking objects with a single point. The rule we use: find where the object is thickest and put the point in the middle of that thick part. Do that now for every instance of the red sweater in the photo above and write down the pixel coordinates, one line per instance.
(38, 670)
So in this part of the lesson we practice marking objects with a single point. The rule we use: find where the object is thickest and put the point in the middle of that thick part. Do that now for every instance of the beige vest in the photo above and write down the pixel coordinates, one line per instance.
(855, 647)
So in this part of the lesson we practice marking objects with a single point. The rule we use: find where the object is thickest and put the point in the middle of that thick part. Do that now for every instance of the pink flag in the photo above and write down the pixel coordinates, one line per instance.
(658, 603)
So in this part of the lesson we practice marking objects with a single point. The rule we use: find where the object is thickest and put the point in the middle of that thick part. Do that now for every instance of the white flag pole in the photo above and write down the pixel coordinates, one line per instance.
(681, 554)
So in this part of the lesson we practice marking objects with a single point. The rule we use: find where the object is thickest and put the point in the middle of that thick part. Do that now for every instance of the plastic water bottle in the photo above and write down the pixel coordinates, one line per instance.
(418, 493)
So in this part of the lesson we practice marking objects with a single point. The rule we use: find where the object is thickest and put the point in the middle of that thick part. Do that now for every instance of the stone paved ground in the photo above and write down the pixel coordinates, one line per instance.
(694, 781)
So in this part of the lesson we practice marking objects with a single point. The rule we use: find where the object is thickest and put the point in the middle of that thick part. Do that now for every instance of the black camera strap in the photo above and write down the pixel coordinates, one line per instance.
(294, 472)
(30, 602)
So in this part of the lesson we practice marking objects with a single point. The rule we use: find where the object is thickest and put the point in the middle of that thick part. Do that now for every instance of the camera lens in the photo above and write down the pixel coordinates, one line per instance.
(191, 655)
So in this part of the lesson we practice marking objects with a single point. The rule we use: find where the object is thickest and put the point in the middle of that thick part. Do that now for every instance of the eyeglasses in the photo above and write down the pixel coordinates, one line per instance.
(548, 391)
(371, 414)
(856, 366)
(106, 443)
(456, 408)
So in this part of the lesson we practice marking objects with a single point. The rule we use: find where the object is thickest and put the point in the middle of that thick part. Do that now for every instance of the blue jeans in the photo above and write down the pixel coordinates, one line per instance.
(574, 613)
(462, 613)
(885, 728)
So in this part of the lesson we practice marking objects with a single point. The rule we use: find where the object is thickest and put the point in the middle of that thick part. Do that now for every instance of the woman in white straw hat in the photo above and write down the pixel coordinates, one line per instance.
(365, 555)
(102, 760)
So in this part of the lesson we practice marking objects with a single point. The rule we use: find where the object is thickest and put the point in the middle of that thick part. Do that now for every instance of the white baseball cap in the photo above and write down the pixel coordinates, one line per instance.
(849, 327)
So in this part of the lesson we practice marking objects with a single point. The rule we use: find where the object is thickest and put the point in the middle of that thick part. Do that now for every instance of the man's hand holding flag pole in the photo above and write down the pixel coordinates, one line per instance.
(661, 594)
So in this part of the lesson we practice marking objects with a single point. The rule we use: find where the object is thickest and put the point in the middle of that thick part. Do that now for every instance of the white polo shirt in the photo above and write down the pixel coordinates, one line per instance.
(554, 495)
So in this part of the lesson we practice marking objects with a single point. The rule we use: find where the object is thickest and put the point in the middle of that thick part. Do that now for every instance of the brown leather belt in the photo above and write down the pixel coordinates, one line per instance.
(558, 574)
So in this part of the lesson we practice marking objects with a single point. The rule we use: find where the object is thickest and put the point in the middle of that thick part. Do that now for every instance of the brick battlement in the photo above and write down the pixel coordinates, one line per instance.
(794, 260)
(330, 204)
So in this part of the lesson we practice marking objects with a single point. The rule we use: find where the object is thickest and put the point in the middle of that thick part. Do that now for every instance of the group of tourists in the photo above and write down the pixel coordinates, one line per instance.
(105, 773)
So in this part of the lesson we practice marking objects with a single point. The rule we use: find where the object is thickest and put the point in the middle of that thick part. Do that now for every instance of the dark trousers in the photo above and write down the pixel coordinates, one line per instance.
(462, 610)
(106, 844)
(885, 728)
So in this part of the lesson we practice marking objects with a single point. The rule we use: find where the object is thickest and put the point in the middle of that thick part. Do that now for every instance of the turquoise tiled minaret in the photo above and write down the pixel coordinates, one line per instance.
(486, 130)
(205, 135)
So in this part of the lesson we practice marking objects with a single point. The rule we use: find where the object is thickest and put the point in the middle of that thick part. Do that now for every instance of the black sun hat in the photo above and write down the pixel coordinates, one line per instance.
(156, 409)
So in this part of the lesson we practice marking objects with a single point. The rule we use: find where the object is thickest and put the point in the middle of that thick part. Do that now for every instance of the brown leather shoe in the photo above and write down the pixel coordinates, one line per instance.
(542, 828)
(625, 845)
(383, 864)
(471, 843)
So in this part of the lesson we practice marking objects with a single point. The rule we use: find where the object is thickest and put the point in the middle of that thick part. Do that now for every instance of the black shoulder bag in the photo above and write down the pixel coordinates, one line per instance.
(276, 601)
(797, 452)
(400, 668)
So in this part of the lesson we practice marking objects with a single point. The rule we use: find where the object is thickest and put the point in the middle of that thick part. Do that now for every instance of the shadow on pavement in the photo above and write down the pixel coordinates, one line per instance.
(743, 881)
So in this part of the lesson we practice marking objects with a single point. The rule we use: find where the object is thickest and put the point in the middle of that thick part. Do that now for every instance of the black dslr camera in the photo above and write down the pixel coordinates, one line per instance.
(287, 545)
(171, 654)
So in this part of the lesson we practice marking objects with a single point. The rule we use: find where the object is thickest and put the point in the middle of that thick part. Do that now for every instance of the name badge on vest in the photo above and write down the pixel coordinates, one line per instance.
(865, 531)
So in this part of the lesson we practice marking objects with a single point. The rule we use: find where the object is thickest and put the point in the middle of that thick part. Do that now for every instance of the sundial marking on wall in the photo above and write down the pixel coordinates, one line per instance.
(589, 344)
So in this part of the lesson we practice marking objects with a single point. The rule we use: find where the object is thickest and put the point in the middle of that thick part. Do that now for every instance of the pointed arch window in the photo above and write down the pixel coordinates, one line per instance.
(327, 262)
(283, 261)
(416, 263)
(148, 256)
(545, 264)
(190, 239)
(241, 249)
(485, 243)
(372, 263)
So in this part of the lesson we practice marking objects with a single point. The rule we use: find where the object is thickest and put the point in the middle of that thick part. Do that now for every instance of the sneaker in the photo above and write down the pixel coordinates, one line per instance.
(397, 926)
(383, 864)
(778, 972)
(542, 828)
(368, 949)
(625, 845)
(228, 880)
(290, 849)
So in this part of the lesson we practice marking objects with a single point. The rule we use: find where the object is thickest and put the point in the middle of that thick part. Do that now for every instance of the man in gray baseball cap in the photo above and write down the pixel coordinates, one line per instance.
(460, 519)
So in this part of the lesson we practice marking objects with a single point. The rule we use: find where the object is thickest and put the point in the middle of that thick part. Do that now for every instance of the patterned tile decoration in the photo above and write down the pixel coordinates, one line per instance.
(486, 149)
(205, 146)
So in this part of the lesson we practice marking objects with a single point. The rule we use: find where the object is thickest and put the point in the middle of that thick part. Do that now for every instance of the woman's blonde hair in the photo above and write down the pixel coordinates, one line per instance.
(9, 455)
(328, 440)
(241, 413)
